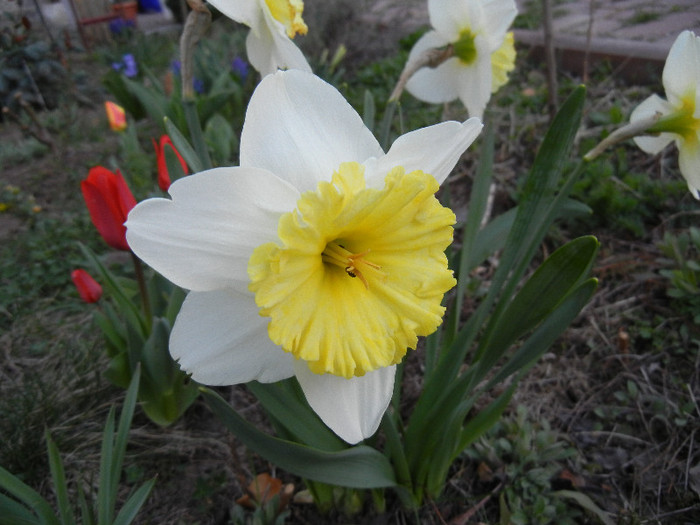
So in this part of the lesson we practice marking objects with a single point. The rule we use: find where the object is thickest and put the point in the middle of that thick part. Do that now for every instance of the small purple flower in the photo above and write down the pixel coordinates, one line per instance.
(240, 67)
(176, 66)
(130, 67)
(117, 66)
(198, 85)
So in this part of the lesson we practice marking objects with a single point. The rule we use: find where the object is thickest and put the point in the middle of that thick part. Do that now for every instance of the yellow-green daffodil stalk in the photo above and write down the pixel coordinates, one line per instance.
(319, 257)
(678, 117)
(483, 52)
(273, 24)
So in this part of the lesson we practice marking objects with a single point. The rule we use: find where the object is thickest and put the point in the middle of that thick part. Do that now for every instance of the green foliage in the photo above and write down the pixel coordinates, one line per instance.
(624, 199)
(137, 339)
(527, 456)
(29, 68)
(682, 269)
(24, 505)
(45, 252)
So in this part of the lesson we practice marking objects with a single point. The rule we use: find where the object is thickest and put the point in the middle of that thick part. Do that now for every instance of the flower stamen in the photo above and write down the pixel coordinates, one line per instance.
(352, 263)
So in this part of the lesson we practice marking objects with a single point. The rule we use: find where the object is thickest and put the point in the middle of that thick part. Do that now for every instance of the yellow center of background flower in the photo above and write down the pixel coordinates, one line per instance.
(359, 273)
(288, 12)
(502, 62)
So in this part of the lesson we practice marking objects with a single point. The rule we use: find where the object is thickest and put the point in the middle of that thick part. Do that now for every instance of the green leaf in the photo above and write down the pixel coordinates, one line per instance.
(547, 287)
(29, 497)
(221, 139)
(356, 467)
(154, 103)
(195, 129)
(587, 503)
(133, 504)
(285, 402)
(369, 110)
(14, 513)
(183, 146)
(58, 476)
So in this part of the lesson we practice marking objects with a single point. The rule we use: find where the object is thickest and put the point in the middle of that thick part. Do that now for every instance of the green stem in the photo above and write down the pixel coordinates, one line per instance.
(141, 280)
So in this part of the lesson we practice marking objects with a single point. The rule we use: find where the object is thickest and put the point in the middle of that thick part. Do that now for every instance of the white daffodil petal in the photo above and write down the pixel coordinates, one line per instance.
(475, 84)
(246, 12)
(352, 408)
(651, 106)
(689, 163)
(433, 85)
(302, 129)
(498, 16)
(220, 339)
(271, 49)
(202, 238)
(451, 17)
(682, 69)
(434, 150)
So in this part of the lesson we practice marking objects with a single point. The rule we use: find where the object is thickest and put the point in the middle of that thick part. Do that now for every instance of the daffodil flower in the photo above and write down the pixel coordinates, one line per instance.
(319, 257)
(678, 115)
(273, 24)
(483, 52)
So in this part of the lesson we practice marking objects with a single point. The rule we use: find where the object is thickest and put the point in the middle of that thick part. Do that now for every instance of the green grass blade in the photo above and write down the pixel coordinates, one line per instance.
(58, 476)
(87, 514)
(133, 505)
(196, 133)
(28, 496)
(356, 467)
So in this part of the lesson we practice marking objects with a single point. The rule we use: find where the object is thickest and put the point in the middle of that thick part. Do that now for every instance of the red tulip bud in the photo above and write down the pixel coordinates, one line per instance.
(109, 201)
(89, 289)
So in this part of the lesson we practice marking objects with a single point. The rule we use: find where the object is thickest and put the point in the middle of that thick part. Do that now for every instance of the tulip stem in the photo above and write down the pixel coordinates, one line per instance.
(141, 280)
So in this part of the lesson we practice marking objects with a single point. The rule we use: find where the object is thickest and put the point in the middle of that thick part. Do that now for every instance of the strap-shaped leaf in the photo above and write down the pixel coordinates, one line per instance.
(359, 467)
(131, 508)
(14, 513)
(27, 495)
(58, 476)
(285, 402)
(183, 146)
(542, 292)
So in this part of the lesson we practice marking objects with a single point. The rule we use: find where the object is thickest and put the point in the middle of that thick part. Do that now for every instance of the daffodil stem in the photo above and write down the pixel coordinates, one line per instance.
(196, 25)
(429, 58)
(629, 131)
(143, 291)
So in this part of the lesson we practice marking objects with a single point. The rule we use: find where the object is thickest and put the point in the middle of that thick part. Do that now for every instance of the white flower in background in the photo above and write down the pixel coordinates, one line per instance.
(680, 113)
(320, 256)
(273, 23)
(483, 52)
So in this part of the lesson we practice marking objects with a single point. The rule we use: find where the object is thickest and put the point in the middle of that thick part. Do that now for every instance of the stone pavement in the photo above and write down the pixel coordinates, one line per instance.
(634, 35)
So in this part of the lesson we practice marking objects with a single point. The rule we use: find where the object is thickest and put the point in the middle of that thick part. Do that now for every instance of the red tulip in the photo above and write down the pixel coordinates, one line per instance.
(109, 201)
(163, 175)
(89, 289)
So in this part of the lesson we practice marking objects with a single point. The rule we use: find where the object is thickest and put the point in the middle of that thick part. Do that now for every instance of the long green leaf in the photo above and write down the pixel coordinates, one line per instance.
(539, 205)
(547, 287)
(357, 467)
(28, 496)
(183, 146)
(105, 503)
(58, 476)
(132, 506)
(284, 401)
(542, 338)
(14, 513)
(196, 133)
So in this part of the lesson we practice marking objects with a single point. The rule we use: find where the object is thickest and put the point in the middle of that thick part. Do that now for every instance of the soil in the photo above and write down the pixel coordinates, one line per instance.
(637, 466)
